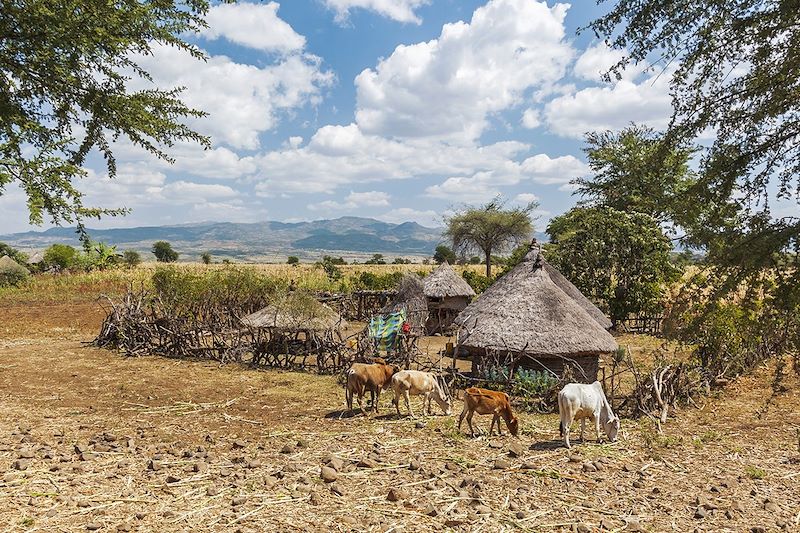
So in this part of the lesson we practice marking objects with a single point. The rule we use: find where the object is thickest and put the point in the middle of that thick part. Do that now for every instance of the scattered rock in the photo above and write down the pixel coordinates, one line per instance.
(93, 526)
(337, 463)
(512, 506)
(200, 466)
(212, 491)
(367, 462)
(336, 489)
(87, 456)
(396, 495)
(772, 507)
(21, 464)
(501, 464)
(155, 465)
(140, 515)
(453, 467)
(575, 458)
(301, 444)
(496, 444)
(520, 515)
(51, 513)
(328, 474)
(599, 466)
(239, 500)
(758, 529)
(419, 425)
(589, 467)
(638, 484)
(173, 479)
(483, 509)
(606, 523)
(349, 520)
(700, 512)
(102, 448)
(81, 448)
(413, 464)
(239, 444)
(124, 528)
(315, 499)
(430, 510)
(26, 453)
(580, 527)
(528, 466)
(633, 525)
(628, 468)
(515, 449)
(255, 463)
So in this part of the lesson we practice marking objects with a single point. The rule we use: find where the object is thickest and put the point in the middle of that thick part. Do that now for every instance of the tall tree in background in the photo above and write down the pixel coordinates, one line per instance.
(490, 228)
(65, 69)
(619, 259)
(636, 170)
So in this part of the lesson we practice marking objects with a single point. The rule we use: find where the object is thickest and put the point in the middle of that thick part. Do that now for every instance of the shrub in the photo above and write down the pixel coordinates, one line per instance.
(60, 257)
(378, 282)
(205, 257)
(11, 272)
(131, 258)
(164, 252)
(293, 260)
(478, 282)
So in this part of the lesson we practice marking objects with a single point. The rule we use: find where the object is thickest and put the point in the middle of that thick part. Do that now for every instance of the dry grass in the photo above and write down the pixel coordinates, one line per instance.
(738, 453)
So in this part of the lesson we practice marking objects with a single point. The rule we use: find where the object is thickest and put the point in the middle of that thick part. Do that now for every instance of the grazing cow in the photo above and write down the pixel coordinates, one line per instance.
(415, 382)
(374, 377)
(488, 402)
(577, 401)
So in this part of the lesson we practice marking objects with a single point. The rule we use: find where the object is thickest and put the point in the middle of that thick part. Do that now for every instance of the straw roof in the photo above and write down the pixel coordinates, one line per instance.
(445, 283)
(525, 311)
(411, 297)
(295, 312)
(8, 263)
(566, 285)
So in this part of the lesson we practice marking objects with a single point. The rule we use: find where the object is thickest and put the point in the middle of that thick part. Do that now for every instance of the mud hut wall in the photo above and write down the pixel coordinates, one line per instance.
(589, 363)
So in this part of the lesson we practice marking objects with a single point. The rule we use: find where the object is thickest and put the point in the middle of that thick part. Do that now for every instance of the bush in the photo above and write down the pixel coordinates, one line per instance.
(11, 272)
(293, 260)
(328, 264)
(377, 282)
(164, 252)
(377, 259)
(444, 253)
(478, 282)
(60, 257)
(131, 258)
(205, 257)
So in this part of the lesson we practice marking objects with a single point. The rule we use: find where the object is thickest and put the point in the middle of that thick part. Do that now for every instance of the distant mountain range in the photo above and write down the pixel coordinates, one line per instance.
(351, 237)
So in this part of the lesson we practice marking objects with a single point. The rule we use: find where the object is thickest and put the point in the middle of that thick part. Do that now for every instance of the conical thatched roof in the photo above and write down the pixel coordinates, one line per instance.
(7, 263)
(525, 311)
(295, 312)
(445, 283)
(411, 297)
(566, 285)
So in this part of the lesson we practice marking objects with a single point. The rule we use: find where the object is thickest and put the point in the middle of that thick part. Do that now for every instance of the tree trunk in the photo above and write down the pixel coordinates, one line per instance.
(488, 263)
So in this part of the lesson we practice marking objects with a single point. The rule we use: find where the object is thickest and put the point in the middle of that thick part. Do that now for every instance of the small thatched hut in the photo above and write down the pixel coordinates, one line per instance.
(526, 320)
(448, 294)
(411, 297)
(292, 329)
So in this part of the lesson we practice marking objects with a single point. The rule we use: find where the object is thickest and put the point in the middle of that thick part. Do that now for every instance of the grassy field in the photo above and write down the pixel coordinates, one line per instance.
(90, 439)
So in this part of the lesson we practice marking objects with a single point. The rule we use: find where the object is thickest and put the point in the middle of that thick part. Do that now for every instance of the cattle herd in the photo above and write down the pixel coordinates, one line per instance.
(576, 401)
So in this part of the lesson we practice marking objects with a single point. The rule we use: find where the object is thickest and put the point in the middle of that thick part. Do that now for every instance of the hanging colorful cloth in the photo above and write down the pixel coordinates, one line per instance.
(384, 330)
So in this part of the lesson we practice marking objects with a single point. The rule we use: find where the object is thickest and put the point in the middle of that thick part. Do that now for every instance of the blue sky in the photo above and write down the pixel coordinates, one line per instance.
(393, 109)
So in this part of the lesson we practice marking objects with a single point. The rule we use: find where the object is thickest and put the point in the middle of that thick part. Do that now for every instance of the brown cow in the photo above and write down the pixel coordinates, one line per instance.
(488, 402)
(362, 377)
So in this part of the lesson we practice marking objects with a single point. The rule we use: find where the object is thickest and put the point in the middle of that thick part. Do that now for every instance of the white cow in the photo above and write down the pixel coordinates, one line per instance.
(414, 382)
(578, 401)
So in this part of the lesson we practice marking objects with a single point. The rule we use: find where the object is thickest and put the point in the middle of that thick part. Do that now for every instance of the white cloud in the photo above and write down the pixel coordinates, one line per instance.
(352, 201)
(399, 10)
(595, 61)
(449, 87)
(473, 189)
(254, 26)
(545, 170)
(530, 118)
(405, 214)
(241, 100)
(611, 107)
(526, 198)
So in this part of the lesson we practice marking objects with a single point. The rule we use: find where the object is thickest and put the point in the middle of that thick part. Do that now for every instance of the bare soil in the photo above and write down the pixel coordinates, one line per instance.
(91, 439)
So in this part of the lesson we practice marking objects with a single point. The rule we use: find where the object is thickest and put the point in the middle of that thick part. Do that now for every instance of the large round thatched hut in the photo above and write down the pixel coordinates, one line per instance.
(526, 320)
(447, 294)
(410, 297)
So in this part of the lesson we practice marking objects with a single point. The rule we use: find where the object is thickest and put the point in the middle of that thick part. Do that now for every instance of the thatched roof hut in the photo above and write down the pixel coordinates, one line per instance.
(443, 282)
(527, 316)
(448, 294)
(295, 312)
(411, 297)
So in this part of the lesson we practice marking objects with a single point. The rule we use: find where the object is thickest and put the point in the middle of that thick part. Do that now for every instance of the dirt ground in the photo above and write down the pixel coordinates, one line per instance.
(92, 440)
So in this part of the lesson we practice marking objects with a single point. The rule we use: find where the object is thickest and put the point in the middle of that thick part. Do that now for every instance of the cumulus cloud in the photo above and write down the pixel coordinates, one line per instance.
(352, 201)
(595, 61)
(254, 26)
(399, 10)
(404, 214)
(530, 118)
(611, 107)
(448, 87)
(526, 198)
(241, 100)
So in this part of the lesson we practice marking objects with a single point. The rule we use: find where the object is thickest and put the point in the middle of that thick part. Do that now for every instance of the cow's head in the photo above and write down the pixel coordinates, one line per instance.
(612, 428)
(513, 425)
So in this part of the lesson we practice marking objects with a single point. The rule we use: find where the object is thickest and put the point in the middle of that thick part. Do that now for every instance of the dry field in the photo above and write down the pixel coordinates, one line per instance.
(93, 440)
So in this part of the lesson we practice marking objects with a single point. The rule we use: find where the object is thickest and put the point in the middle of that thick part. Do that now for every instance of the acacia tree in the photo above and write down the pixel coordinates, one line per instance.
(489, 228)
(618, 259)
(164, 252)
(65, 73)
